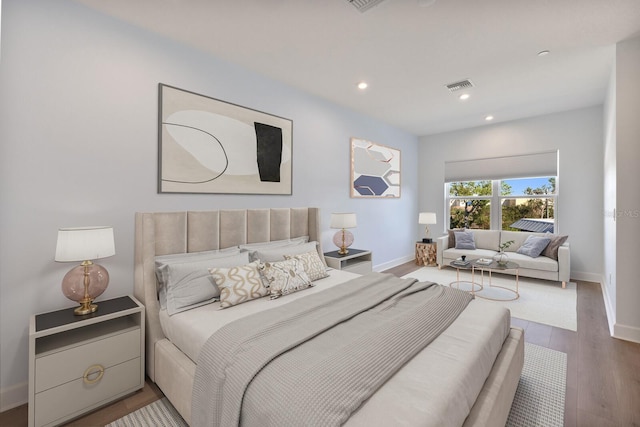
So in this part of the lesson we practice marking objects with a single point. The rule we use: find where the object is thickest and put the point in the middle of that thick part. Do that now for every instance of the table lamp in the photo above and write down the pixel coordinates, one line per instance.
(343, 238)
(427, 218)
(87, 281)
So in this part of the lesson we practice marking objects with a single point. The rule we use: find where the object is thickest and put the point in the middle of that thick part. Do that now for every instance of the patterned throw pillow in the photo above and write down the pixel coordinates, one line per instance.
(284, 277)
(239, 284)
(312, 265)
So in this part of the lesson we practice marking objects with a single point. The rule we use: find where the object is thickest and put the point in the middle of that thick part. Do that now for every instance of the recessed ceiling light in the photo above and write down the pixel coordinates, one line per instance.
(464, 96)
(543, 53)
(488, 118)
(362, 85)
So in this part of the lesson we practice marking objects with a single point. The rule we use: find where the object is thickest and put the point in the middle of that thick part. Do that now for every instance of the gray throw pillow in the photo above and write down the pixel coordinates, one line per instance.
(465, 240)
(533, 246)
(452, 236)
(551, 250)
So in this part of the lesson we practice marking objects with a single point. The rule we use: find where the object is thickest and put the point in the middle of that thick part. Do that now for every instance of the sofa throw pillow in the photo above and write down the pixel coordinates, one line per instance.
(284, 277)
(239, 284)
(452, 236)
(533, 246)
(464, 240)
(551, 250)
(312, 265)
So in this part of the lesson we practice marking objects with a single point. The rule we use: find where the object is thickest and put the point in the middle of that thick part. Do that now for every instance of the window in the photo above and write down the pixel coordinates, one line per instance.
(470, 204)
(530, 205)
(521, 204)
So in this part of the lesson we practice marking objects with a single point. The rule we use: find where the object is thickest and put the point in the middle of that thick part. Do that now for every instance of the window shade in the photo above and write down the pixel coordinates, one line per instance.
(519, 166)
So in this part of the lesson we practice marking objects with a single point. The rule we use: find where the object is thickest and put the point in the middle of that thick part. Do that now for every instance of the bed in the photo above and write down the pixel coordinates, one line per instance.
(466, 376)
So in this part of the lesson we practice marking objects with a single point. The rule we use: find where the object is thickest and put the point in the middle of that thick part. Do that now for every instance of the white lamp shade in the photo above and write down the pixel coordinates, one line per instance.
(84, 244)
(427, 218)
(343, 220)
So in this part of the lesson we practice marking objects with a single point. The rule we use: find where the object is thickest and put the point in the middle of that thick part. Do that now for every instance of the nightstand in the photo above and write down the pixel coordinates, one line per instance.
(79, 363)
(426, 253)
(356, 261)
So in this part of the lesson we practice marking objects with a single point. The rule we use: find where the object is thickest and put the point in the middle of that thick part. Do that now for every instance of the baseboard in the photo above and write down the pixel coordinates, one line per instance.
(14, 396)
(586, 276)
(617, 330)
(394, 263)
(627, 333)
(608, 306)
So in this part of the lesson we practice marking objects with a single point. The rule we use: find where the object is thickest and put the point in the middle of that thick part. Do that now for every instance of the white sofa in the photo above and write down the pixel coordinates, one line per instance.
(487, 245)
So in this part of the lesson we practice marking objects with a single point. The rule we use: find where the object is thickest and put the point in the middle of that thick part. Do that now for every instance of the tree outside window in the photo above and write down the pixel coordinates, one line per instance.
(524, 204)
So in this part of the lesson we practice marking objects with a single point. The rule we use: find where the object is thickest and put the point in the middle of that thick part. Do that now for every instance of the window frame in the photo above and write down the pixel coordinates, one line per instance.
(496, 199)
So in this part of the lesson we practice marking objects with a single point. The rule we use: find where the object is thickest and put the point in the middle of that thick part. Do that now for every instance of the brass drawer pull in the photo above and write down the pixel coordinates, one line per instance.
(93, 370)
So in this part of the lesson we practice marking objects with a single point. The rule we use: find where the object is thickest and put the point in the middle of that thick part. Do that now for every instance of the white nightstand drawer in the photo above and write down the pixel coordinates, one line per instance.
(55, 404)
(56, 368)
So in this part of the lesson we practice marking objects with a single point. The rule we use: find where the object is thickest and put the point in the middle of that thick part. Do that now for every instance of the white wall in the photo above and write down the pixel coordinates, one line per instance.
(78, 132)
(609, 224)
(576, 134)
(626, 141)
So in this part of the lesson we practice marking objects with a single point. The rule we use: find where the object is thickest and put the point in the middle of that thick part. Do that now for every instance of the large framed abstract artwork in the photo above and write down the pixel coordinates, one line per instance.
(375, 169)
(210, 146)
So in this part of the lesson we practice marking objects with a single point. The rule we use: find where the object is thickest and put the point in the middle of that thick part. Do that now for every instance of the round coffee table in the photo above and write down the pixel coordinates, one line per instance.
(495, 267)
(465, 285)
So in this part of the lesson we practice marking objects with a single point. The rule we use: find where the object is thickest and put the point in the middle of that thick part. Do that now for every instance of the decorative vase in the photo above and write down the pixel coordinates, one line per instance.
(501, 258)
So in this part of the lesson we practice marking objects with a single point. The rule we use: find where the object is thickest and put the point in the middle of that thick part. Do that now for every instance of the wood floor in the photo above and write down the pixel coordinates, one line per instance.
(603, 373)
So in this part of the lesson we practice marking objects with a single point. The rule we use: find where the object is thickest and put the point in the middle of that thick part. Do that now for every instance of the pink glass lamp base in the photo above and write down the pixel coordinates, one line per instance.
(343, 239)
(73, 286)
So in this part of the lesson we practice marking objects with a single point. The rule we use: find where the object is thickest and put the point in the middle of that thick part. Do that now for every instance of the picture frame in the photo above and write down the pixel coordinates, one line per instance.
(375, 170)
(206, 145)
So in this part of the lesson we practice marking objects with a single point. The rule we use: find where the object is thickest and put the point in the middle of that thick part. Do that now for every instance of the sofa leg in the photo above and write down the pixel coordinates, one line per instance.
(564, 285)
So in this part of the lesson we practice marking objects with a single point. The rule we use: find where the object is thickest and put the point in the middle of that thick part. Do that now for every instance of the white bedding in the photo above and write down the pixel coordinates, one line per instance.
(436, 388)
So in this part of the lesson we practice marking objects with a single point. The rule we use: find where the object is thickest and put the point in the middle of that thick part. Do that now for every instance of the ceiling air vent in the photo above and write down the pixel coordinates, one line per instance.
(364, 5)
(464, 84)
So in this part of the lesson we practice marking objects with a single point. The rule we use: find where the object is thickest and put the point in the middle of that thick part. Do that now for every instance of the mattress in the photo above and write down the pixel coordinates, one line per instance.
(438, 387)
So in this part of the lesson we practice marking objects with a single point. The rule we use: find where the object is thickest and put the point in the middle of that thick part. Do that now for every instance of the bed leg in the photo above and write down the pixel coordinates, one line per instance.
(564, 285)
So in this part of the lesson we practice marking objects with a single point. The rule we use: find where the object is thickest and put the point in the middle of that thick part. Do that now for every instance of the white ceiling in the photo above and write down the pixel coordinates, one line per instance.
(408, 53)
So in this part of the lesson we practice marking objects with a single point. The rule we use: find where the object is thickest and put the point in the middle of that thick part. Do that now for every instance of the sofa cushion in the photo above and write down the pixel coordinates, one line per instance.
(487, 239)
(551, 250)
(464, 240)
(452, 254)
(533, 246)
(540, 263)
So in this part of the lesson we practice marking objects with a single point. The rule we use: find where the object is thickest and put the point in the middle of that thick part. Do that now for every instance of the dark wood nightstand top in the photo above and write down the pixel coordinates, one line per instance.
(352, 252)
(65, 316)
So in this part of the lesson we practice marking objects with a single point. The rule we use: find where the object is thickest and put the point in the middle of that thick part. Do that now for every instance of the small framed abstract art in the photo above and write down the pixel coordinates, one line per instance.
(375, 169)
(210, 146)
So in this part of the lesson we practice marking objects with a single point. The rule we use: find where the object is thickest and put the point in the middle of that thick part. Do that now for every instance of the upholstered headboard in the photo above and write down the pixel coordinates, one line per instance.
(162, 233)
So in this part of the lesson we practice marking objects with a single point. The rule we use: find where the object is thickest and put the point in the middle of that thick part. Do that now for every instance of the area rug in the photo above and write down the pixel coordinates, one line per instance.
(540, 301)
(539, 399)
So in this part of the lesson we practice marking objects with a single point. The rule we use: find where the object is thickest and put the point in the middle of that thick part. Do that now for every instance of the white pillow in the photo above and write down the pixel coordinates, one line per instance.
(189, 285)
(162, 260)
(239, 284)
(278, 253)
(313, 266)
(284, 277)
